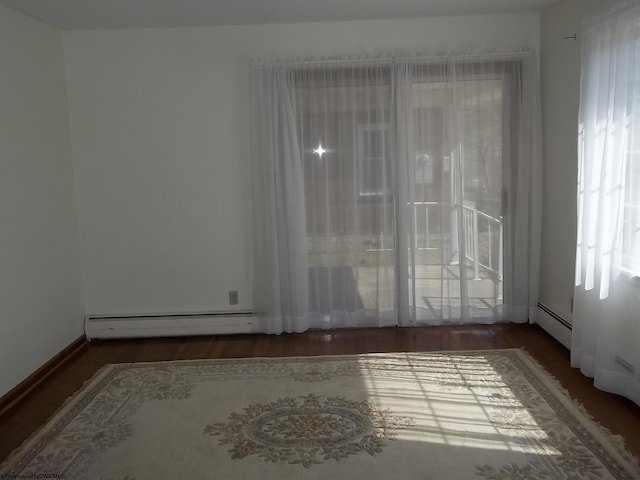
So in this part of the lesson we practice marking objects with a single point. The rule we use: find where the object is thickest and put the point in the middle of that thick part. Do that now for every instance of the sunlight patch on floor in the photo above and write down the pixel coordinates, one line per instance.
(464, 403)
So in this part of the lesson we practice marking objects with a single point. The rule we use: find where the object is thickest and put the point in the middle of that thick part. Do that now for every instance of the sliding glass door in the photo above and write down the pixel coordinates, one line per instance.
(395, 192)
(453, 222)
(441, 205)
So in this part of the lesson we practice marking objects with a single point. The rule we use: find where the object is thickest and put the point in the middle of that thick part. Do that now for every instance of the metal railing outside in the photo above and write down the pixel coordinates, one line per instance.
(483, 236)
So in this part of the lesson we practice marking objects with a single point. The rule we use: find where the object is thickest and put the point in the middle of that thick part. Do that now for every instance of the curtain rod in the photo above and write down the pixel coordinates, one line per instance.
(389, 59)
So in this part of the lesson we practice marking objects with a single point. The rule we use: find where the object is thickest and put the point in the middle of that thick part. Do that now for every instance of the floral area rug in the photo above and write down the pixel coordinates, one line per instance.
(449, 415)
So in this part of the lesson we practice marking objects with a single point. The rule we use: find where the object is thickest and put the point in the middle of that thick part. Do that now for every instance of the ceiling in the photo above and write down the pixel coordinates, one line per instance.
(88, 14)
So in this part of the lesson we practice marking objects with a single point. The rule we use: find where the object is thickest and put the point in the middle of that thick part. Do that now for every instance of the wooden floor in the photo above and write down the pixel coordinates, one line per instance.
(617, 414)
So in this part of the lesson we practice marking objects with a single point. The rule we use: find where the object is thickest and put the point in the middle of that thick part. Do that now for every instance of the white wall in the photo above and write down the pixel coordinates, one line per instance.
(160, 145)
(560, 85)
(40, 296)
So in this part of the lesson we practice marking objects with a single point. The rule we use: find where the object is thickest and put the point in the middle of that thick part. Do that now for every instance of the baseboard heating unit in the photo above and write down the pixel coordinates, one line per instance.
(171, 325)
(555, 325)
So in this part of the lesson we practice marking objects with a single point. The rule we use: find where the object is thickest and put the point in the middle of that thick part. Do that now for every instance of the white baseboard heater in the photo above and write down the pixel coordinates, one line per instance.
(169, 325)
(555, 325)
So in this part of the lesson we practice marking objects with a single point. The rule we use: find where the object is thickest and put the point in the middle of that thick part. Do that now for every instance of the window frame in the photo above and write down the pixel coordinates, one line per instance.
(363, 160)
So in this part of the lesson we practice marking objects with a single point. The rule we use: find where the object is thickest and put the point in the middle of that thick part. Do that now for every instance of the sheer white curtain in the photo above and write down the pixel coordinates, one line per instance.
(416, 196)
(279, 255)
(469, 166)
(606, 326)
(323, 211)
(345, 142)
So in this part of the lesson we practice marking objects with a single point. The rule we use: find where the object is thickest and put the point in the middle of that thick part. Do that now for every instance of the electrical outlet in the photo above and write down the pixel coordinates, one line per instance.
(233, 297)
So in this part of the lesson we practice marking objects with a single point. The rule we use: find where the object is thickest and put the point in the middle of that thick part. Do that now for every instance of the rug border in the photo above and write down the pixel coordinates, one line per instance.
(68, 403)
(615, 443)
(612, 442)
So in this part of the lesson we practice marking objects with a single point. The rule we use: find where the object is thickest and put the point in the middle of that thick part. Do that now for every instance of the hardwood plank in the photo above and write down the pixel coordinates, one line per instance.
(619, 415)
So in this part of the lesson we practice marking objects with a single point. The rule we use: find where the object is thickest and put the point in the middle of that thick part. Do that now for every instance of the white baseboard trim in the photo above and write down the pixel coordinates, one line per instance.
(170, 325)
(554, 325)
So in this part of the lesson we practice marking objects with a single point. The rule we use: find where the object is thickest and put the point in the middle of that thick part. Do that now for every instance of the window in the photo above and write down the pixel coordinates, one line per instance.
(424, 167)
(373, 159)
(608, 239)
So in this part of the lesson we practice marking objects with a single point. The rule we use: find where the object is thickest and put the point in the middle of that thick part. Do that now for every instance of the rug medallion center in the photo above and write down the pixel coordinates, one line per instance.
(307, 430)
